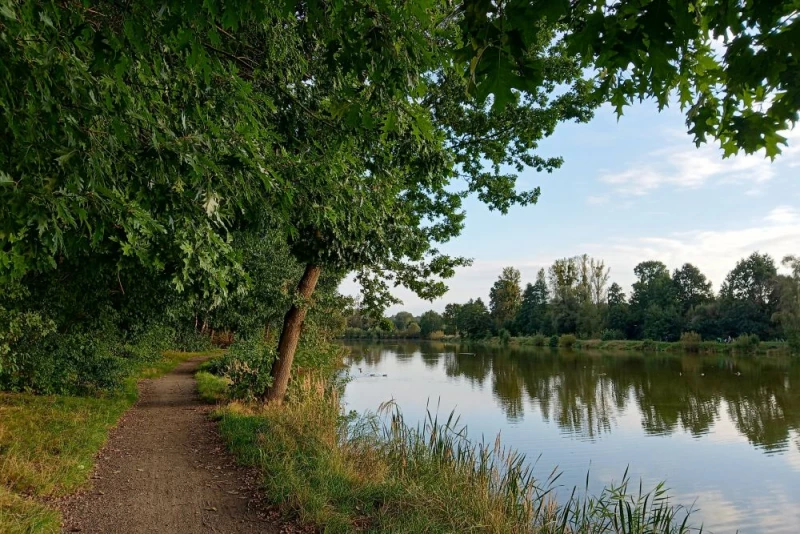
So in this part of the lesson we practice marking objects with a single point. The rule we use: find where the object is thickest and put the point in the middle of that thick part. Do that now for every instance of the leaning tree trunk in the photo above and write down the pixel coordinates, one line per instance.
(290, 335)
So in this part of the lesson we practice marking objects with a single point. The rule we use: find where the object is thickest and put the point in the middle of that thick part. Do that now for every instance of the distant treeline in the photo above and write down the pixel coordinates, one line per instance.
(573, 296)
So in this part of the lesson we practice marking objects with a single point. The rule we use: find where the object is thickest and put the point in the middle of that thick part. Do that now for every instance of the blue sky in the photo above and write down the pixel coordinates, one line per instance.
(631, 190)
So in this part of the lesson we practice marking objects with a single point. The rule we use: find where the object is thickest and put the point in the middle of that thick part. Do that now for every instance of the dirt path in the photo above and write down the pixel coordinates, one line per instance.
(165, 469)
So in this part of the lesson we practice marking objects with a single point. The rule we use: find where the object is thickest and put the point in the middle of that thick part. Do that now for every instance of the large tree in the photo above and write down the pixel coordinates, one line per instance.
(749, 298)
(430, 322)
(532, 315)
(505, 297)
(691, 287)
(653, 303)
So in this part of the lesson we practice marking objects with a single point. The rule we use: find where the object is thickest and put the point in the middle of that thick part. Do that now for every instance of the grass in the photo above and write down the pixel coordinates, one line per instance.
(212, 388)
(378, 474)
(647, 345)
(48, 445)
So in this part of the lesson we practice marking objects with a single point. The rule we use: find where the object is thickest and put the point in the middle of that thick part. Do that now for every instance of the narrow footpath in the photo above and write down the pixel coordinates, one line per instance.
(166, 470)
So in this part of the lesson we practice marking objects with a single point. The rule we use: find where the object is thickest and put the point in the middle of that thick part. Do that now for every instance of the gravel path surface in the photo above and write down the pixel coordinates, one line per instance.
(166, 470)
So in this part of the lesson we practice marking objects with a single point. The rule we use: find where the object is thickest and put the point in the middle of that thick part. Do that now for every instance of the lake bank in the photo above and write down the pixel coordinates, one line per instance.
(619, 345)
(377, 473)
(681, 418)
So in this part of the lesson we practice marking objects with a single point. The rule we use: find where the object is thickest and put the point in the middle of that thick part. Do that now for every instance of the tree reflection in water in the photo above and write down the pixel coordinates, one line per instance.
(585, 392)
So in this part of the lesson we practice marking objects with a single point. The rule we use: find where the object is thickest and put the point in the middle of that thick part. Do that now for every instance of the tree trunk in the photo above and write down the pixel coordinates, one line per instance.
(290, 335)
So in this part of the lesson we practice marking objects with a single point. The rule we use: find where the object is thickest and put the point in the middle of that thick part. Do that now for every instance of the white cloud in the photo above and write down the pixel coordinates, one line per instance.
(714, 251)
(783, 215)
(792, 153)
(683, 166)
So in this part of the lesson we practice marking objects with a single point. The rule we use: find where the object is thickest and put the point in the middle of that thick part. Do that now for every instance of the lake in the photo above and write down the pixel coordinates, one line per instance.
(723, 432)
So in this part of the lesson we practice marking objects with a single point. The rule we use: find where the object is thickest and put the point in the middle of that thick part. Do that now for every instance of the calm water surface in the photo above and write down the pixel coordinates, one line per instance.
(723, 432)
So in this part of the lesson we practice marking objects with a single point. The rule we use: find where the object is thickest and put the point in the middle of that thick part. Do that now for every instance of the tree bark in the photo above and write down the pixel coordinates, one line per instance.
(290, 335)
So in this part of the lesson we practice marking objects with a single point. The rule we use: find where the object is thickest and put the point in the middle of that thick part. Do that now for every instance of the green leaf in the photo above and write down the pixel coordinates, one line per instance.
(7, 11)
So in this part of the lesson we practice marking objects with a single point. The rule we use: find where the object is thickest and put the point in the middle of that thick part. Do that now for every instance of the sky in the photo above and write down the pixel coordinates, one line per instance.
(630, 190)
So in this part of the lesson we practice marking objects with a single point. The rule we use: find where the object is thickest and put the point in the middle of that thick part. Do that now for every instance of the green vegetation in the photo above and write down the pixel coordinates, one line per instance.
(567, 341)
(690, 341)
(343, 474)
(573, 298)
(174, 173)
(212, 388)
(749, 345)
(48, 444)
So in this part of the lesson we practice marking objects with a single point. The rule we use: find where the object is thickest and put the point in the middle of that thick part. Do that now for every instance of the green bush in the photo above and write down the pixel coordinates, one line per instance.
(567, 341)
(214, 366)
(75, 363)
(150, 344)
(612, 335)
(649, 345)
(538, 340)
(553, 343)
(247, 364)
(746, 343)
(690, 341)
(505, 336)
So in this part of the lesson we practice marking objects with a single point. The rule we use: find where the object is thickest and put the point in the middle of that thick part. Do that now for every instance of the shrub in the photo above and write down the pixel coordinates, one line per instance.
(436, 334)
(553, 343)
(247, 364)
(150, 344)
(505, 336)
(690, 341)
(746, 343)
(567, 341)
(76, 363)
(188, 340)
(649, 345)
(214, 366)
(538, 340)
(612, 335)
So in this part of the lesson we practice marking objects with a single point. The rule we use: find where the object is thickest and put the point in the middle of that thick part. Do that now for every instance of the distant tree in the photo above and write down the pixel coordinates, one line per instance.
(653, 285)
(402, 319)
(706, 320)
(749, 298)
(386, 325)
(653, 300)
(788, 314)
(430, 321)
(505, 297)
(589, 319)
(475, 321)
(662, 323)
(450, 316)
(598, 280)
(691, 287)
(413, 330)
(618, 316)
(532, 315)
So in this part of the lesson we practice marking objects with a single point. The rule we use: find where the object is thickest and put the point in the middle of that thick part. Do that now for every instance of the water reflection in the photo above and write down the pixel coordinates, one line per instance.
(584, 393)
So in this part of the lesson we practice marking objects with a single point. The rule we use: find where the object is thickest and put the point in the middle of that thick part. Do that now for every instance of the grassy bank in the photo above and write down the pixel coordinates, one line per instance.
(48, 445)
(620, 345)
(647, 345)
(342, 474)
